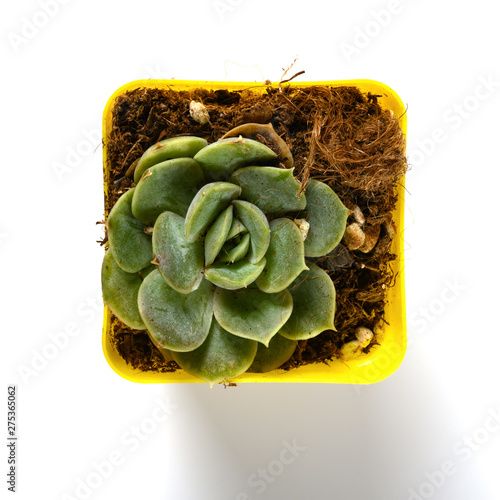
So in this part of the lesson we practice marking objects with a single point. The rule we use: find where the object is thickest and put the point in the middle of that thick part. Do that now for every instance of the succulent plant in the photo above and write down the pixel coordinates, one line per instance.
(207, 253)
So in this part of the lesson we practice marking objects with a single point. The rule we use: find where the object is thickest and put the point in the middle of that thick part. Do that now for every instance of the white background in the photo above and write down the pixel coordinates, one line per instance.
(432, 430)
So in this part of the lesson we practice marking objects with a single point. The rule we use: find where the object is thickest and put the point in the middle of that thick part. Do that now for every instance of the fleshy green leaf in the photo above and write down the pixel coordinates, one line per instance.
(251, 313)
(119, 291)
(269, 358)
(220, 159)
(236, 228)
(273, 190)
(256, 222)
(327, 219)
(170, 185)
(208, 203)
(234, 276)
(176, 321)
(217, 234)
(313, 305)
(221, 357)
(235, 253)
(130, 245)
(173, 147)
(285, 256)
(179, 262)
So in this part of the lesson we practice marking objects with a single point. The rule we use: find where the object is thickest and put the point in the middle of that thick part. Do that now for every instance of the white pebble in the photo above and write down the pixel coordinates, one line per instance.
(198, 112)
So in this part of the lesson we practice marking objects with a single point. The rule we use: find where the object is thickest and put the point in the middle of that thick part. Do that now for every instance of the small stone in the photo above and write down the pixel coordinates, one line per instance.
(364, 336)
(371, 237)
(303, 226)
(350, 350)
(354, 236)
(198, 112)
(358, 215)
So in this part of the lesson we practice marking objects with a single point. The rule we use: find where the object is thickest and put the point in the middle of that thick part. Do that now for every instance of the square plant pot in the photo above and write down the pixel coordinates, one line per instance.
(384, 357)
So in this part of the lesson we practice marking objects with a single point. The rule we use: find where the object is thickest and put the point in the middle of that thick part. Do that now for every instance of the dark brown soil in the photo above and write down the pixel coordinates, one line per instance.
(336, 134)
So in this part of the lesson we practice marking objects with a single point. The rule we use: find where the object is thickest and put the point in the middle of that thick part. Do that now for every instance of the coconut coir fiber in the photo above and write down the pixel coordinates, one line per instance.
(337, 135)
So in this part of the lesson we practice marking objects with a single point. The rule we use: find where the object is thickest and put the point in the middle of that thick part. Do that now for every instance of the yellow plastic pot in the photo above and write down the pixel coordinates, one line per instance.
(383, 359)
